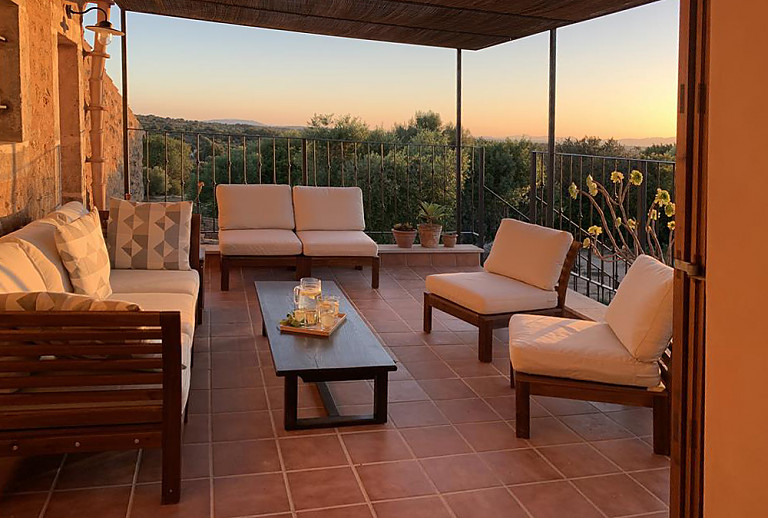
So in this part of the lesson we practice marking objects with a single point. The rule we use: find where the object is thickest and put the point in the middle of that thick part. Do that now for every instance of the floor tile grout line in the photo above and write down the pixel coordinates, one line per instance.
(356, 474)
(135, 478)
(273, 424)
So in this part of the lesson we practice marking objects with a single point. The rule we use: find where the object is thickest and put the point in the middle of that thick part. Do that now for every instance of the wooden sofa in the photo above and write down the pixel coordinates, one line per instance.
(98, 380)
(276, 226)
(527, 272)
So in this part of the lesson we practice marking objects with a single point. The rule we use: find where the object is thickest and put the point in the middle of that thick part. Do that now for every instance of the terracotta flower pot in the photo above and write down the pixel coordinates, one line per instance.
(449, 240)
(404, 238)
(429, 234)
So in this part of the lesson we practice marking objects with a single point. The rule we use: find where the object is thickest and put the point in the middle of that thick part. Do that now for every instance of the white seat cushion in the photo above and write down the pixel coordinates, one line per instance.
(17, 271)
(641, 312)
(259, 242)
(576, 349)
(328, 208)
(529, 253)
(489, 294)
(166, 302)
(337, 243)
(255, 206)
(154, 281)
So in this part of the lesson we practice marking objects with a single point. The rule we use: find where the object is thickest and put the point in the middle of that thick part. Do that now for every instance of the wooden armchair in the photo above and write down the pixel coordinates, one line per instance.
(625, 360)
(527, 272)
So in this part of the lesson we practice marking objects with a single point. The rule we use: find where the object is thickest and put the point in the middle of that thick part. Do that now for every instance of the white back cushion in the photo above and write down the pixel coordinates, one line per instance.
(69, 212)
(328, 208)
(529, 253)
(641, 312)
(244, 207)
(37, 240)
(17, 271)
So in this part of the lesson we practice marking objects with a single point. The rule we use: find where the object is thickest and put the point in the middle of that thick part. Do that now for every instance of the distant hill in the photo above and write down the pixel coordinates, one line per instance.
(238, 121)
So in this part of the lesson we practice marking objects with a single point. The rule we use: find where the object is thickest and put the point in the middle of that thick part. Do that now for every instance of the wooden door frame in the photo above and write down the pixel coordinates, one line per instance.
(687, 453)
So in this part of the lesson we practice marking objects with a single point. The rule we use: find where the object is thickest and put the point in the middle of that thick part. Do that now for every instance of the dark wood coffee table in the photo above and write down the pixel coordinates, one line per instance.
(352, 352)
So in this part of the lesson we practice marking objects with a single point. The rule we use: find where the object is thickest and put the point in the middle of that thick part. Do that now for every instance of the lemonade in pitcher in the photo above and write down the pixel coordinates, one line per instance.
(305, 297)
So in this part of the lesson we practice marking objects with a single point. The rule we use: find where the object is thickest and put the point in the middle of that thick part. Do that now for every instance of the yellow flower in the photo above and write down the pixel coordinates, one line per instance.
(573, 191)
(671, 225)
(635, 177)
(592, 186)
(617, 176)
(654, 215)
(662, 197)
(595, 230)
(586, 243)
(631, 223)
(669, 210)
(618, 222)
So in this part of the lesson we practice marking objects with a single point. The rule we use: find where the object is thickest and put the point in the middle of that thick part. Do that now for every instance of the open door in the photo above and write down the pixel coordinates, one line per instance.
(687, 473)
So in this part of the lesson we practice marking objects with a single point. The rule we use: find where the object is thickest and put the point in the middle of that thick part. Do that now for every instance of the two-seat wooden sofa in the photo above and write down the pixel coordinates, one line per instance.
(81, 381)
(280, 226)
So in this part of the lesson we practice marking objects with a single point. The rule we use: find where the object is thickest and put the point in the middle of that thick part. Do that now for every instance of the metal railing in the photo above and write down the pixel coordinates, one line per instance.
(395, 177)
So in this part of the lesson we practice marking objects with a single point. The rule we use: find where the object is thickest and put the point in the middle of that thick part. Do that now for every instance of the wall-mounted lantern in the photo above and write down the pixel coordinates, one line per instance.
(104, 30)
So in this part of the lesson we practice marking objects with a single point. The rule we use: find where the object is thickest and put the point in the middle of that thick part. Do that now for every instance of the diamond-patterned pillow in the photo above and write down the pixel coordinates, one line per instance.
(84, 254)
(149, 236)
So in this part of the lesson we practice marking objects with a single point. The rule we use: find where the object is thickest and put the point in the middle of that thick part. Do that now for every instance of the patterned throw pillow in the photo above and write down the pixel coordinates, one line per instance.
(84, 254)
(51, 301)
(149, 236)
(57, 301)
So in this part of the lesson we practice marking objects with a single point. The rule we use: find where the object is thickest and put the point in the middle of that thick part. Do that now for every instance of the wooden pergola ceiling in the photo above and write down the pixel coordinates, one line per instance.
(459, 24)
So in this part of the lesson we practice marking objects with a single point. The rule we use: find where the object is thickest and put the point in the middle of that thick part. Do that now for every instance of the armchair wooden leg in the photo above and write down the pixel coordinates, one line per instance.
(485, 342)
(511, 375)
(375, 266)
(523, 409)
(303, 267)
(661, 425)
(171, 444)
(224, 274)
(427, 314)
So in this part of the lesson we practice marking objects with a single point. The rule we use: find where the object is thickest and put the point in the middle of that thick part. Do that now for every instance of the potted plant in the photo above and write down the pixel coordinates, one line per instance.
(450, 238)
(430, 228)
(404, 234)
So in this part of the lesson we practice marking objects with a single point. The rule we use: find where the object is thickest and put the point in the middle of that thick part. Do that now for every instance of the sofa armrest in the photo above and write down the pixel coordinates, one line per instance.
(87, 355)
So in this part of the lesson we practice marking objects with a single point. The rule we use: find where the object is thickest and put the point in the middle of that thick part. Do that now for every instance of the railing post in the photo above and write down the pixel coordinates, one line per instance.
(458, 144)
(481, 200)
(549, 211)
(304, 172)
(534, 189)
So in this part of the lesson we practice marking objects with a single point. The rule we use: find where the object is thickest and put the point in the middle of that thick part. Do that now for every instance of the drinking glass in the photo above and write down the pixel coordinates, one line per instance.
(333, 300)
(326, 313)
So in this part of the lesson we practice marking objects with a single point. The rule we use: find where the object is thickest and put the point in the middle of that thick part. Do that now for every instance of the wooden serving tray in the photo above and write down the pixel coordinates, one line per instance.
(315, 330)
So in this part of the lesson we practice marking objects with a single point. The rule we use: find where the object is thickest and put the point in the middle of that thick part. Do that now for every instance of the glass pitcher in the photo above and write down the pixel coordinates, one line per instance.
(306, 294)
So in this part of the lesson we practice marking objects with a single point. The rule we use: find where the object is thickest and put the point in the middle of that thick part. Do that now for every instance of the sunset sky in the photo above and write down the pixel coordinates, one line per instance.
(616, 76)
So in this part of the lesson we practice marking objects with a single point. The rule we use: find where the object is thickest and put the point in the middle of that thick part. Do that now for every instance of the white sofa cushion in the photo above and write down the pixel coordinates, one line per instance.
(259, 242)
(529, 253)
(84, 254)
(640, 313)
(337, 243)
(155, 281)
(39, 243)
(17, 271)
(576, 349)
(254, 206)
(165, 302)
(489, 294)
(328, 208)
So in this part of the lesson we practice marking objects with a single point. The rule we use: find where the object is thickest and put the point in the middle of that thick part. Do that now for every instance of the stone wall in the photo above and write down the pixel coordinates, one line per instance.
(49, 165)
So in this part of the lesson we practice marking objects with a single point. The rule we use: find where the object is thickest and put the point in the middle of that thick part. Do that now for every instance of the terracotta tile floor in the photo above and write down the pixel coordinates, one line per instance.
(449, 449)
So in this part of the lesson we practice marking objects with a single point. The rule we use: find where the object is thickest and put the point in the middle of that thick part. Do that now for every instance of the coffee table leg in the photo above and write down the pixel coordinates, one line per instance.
(291, 401)
(380, 386)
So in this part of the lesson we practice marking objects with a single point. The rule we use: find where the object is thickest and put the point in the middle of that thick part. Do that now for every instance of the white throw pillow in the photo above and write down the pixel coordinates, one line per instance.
(529, 253)
(247, 207)
(18, 271)
(640, 313)
(84, 254)
(328, 208)
(149, 236)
